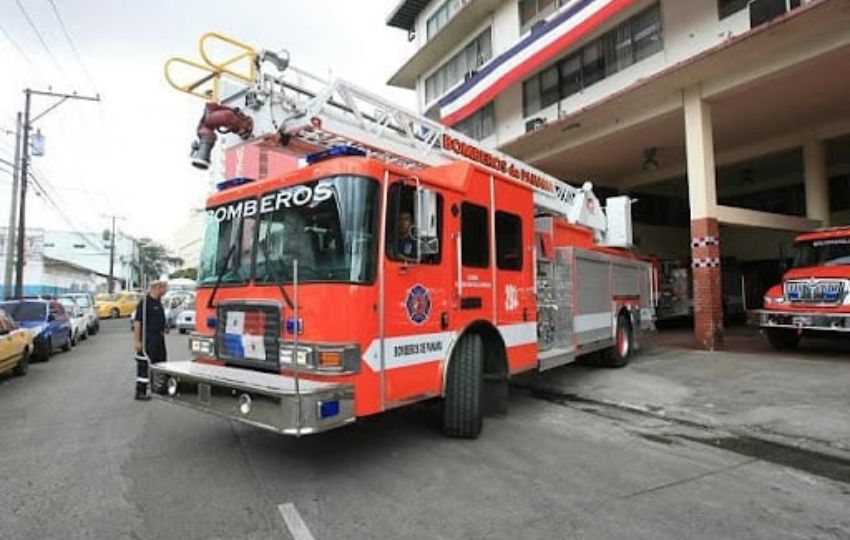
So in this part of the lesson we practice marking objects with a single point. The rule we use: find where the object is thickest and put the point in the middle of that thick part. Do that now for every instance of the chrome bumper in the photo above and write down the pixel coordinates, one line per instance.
(829, 322)
(273, 402)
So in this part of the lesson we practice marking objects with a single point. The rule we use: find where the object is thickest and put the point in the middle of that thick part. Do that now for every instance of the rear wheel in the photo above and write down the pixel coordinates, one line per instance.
(782, 339)
(23, 366)
(462, 405)
(618, 355)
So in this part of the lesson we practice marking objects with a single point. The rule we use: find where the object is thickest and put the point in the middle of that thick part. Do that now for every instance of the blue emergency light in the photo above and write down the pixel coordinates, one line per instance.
(338, 150)
(233, 182)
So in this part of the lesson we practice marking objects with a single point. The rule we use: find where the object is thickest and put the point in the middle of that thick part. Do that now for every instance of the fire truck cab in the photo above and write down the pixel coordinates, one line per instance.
(357, 283)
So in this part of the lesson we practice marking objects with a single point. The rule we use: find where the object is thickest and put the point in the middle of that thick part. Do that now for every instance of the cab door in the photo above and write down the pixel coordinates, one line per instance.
(7, 344)
(416, 291)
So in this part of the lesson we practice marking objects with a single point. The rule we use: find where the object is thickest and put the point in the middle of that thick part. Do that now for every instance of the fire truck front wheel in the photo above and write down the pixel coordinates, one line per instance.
(782, 339)
(462, 415)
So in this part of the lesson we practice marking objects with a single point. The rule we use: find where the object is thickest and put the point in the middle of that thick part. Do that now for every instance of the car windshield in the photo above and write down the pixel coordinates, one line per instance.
(82, 300)
(106, 297)
(328, 226)
(827, 252)
(25, 311)
(228, 243)
(69, 305)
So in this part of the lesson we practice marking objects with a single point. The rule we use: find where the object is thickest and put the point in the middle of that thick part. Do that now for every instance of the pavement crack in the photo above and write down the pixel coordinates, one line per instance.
(684, 480)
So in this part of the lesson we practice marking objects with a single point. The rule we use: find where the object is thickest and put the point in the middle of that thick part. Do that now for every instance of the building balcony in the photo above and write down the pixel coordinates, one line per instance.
(436, 49)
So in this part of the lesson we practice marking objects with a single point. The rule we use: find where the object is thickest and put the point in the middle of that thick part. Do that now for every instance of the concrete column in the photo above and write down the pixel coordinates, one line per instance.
(817, 184)
(705, 230)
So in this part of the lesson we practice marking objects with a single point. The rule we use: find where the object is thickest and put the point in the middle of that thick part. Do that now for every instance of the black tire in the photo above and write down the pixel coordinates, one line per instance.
(114, 313)
(69, 343)
(47, 351)
(624, 343)
(782, 339)
(85, 335)
(462, 416)
(75, 338)
(23, 366)
(182, 330)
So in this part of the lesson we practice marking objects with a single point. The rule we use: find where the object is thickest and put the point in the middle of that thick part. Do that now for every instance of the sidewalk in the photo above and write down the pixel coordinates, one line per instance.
(802, 398)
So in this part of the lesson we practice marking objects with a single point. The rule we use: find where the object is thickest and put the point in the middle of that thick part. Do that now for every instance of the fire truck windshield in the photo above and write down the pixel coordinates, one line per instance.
(828, 252)
(228, 243)
(328, 225)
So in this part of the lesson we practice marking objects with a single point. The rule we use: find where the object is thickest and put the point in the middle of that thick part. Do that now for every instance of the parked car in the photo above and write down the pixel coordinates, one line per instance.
(15, 346)
(186, 318)
(46, 320)
(86, 303)
(79, 322)
(175, 304)
(117, 304)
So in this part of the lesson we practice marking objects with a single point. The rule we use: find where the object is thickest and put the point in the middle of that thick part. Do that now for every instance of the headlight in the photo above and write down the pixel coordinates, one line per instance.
(201, 346)
(322, 358)
(768, 300)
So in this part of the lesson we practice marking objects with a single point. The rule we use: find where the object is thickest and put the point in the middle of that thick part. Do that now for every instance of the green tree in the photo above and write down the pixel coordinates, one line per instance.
(188, 273)
(154, 259)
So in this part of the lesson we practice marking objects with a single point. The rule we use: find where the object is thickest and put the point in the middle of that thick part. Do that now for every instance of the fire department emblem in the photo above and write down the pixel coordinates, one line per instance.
(418, 304)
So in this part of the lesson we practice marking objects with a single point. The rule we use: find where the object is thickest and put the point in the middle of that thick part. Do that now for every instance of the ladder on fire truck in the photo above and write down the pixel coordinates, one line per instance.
(308, 114)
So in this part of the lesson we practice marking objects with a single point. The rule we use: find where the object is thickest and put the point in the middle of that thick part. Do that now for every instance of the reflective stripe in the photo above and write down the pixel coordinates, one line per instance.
(593, 321)
(519, 334)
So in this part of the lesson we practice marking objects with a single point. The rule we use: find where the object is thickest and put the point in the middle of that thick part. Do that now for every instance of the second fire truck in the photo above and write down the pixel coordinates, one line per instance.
(397, 262)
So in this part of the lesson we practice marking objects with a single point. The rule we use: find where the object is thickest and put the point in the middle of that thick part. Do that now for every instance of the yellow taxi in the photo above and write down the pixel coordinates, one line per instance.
(116, 305)
(15, 346)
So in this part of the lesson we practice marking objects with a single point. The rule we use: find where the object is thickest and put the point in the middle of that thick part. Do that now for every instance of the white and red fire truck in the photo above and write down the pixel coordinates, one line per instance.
(814, 296)
(399, 262)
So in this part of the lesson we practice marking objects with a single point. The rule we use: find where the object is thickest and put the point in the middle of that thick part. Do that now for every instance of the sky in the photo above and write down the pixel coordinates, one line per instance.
(127, 155)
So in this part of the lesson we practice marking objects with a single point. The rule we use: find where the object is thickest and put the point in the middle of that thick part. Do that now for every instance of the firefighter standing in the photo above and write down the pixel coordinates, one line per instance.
(149, 329)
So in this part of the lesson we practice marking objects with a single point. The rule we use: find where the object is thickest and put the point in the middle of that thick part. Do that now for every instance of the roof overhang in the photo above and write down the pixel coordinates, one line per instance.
(405, 13)
(456, 31)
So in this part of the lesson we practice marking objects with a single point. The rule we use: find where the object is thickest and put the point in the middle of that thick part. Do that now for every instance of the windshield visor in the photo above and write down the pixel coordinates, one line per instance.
(828, 252)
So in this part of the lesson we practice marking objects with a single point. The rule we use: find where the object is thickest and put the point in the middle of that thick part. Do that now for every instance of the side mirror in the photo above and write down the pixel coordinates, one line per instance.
(427, 234)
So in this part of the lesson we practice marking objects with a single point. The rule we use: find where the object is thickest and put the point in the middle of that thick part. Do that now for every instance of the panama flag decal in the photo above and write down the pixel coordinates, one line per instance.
(244, 335)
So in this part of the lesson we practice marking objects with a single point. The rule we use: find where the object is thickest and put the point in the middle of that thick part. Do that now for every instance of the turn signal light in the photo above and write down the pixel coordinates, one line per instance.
(330, 359)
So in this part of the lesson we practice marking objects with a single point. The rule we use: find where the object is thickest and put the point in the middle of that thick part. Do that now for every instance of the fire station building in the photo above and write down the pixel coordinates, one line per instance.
(727, 120)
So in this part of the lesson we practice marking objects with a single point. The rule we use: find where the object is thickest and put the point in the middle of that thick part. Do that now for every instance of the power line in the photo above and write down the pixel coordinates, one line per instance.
(41, 39)
(72, 44)
(20, 50)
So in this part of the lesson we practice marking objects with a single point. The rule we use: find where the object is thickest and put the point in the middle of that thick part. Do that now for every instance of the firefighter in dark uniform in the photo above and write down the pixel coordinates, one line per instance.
(149, 329)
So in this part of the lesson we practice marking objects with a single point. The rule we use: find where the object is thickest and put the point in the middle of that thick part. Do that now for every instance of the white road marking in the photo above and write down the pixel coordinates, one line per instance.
(297, 528)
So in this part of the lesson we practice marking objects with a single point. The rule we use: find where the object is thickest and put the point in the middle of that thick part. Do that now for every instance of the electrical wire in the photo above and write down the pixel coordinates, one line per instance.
(21, 52)
(41, 39)
(72, 44)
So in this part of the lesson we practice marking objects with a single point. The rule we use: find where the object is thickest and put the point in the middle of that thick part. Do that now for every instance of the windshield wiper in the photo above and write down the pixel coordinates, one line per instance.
(283, 292)
(221, 275)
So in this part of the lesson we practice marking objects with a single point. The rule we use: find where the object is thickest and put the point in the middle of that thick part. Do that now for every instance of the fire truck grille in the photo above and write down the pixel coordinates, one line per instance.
(248, 334)
(815, 291)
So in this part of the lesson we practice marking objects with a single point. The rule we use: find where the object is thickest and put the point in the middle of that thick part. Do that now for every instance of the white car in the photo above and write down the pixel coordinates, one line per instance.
(186, 320)
(79, 321)
(86, 303)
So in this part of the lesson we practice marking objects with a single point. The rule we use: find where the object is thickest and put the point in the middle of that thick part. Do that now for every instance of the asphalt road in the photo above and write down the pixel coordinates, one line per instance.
(79, 458)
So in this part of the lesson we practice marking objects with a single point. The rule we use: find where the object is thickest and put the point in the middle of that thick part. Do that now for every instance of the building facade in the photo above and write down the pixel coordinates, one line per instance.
(727, 120)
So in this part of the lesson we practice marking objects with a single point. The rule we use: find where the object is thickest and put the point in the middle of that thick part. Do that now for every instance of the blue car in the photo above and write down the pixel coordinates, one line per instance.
(47, 320)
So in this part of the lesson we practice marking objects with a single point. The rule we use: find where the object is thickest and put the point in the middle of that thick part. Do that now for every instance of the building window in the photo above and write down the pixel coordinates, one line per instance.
(508, 241)
(442, 16)
(729, 7)
(475, 245)
(480, 125)
(470, 58)
(630, 42)
(534, 11)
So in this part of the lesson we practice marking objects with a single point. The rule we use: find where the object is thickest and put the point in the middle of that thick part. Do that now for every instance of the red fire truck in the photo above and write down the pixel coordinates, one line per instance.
(813, 296)
(398, 262)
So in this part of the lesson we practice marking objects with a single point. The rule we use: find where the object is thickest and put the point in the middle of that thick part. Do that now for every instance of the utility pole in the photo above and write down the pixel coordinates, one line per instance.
(25, 155)
(113, 217)
(13, 214)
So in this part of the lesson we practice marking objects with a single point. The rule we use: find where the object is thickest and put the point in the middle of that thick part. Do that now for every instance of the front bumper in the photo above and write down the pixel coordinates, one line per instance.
(829, 322)
(275, 403)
